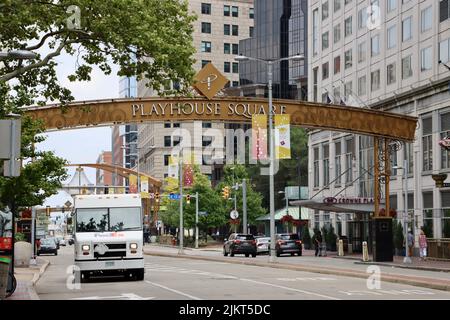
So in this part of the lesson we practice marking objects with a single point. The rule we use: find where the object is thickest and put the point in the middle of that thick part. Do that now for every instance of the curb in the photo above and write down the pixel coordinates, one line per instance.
(36, 277)
(403, 267)
(425, 283)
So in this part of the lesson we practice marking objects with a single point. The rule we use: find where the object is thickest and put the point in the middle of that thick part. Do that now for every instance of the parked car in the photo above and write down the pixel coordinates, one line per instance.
(62, 242)
(239, 243)
(288, 243)
(47, 246)
(55, 241)
(262, 245)
(69, 240)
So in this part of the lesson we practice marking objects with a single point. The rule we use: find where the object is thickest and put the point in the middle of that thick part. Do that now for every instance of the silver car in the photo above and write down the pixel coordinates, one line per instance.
(262, 245)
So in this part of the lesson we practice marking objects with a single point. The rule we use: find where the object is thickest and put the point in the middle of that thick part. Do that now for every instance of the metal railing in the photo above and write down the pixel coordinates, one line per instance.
(439, 248)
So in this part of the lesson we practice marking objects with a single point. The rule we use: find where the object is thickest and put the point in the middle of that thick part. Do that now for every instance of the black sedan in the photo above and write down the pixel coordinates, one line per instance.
(47, 246)
(288, 243)
(239, 243)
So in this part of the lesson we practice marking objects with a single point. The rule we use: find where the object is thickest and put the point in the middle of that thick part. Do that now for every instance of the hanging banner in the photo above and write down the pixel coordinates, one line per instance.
(282, 136)
(144, 188)
(132, 180)
(120, 190)
(259, 136)
(111, 190)
(173, 168)
(188, 175)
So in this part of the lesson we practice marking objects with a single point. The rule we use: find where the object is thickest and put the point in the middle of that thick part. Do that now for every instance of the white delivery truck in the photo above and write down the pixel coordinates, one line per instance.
(108, 236)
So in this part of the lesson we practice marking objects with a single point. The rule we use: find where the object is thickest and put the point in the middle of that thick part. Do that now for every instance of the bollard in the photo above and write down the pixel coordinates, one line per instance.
(341, 248)
(365, 252)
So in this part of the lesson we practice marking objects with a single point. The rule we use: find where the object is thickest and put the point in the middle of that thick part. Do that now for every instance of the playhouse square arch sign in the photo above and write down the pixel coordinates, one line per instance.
(225, 109)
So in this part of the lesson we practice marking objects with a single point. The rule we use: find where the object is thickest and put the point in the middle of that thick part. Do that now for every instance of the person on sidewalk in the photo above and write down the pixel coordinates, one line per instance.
(318, 243)
(423, 245)
(410, 243)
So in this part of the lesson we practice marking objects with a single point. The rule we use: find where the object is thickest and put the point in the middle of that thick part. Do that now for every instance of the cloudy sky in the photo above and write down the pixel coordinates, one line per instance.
(82, 145)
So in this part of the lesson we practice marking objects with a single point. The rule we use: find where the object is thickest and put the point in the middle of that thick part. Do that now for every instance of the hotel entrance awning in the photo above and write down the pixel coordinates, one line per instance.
(339, 205)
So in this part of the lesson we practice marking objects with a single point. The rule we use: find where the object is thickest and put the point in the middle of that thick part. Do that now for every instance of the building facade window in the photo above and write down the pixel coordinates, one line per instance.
(250, 31)
(205, 62)
(315, 31)
(235, 11)
(226, 29)
(206, 125)
(348, 89)
(167, 141)
(326, 164)
(444, 50)
(337, 33)
(349, 151)
(391, 5)
(325, 10)
(375, 80)
(362, 86)
(427, 145)
(337, 163)
(445, 215)
(337, 5)
(426, 59)
(392, 37)
(235, 67)
(337, 94)
(366, 160)
(375, 45)
(390, 73)
(226, 48)
(445, 132)
(337, 64)
(227, 67)
(206, 8)
(444, 10)
(166, 124)
(428, 214)
(166, 159)
(426, 19)
(325, 40)
(206, 46)
(315, 81)
(206, 27)
(251, 13)
(407, 29)
(348, 27)
(406, 67)
(316, 167)
(235, 30)
(235, 48)
(206, 141)
(226, 11)
(362, 18)
(348, 59)
(325, 71)
(362, 52)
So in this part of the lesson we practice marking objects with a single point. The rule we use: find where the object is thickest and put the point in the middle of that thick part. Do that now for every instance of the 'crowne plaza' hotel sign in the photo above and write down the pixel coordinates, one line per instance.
(210, 107)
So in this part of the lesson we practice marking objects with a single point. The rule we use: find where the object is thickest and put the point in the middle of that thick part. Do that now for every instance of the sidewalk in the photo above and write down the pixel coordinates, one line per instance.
(330, 264)
(26, 280)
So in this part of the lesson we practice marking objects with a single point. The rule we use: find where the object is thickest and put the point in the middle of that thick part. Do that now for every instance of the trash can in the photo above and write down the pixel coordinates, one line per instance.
(4, 270)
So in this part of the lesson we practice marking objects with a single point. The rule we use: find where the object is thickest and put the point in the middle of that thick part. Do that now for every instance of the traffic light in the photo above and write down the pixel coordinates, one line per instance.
(226, 192)
(188, 199)
(157, 196)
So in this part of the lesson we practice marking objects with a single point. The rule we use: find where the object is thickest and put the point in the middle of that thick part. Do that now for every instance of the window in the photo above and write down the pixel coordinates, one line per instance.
(235, 84)
(326, 164)
(235, 48)
(206, 141)
(362, 18)
(206, 125)
(337, 33)
(366, 159)
(166, 124)
(428, 214)
(250, 31)
(316, 167)
(226, 11)
(375, 80)
(407, 29)
(427, 145)
(166, 159)
(176, 141)
(348, 59)
(226, 48)
(445, 215)
(406, 67)
(325, 71)
(226, 67)
(337, 64)
(325, 43)
(348, 27)
(325, 13)
(315, 30)
(226, 29)
(425, 59)
(206, 8)
(176, 124)
(362, 52)
(235, 67)
(362, 86)
(426, 19)
(205, 62)
(337, 94)
(349, 147)
(391, 5)
(251, 13)
(390, 73)
(206, 27)
(346, 2)
(337, 5)
(315, 80)
(348, 89)
(206, 46)
(337, 162)
(167, 141)
(445, 132)
(392, 37)
(444, 10)
(375, 45)
(235, 30)
(325, 97)
(235, 11)
(444, 52)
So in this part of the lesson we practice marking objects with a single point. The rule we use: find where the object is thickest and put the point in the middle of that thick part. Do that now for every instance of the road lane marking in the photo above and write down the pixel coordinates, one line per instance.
(173, 290)
(128, 296)
(290, 289)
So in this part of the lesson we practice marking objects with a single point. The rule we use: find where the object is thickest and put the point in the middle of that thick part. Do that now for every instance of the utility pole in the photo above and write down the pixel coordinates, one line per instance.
(181, 229)
(196, 220)
(244, 205)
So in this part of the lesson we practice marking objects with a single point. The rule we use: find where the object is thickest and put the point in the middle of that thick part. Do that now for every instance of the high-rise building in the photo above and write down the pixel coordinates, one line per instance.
(280, 31)
(102, 177)
(221, 24)
(382, 54)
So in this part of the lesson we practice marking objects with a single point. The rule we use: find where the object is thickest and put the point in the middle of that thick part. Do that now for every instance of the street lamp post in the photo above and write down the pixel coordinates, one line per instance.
(269, 63)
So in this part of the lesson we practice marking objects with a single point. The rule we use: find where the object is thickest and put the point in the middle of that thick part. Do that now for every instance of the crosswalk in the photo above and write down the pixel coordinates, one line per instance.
(157, 268)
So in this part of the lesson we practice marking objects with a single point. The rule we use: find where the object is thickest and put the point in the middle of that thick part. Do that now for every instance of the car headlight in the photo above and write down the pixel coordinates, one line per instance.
(133, 246)
(85, 247)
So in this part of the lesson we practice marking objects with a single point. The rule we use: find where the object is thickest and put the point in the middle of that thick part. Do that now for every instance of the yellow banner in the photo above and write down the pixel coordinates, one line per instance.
(132, 180)
(282, 136)
(121, 190)
(111, 190)
(144, 187)
(259, 136)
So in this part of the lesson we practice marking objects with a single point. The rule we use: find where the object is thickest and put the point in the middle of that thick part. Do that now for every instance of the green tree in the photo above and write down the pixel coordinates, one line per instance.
(398, 236)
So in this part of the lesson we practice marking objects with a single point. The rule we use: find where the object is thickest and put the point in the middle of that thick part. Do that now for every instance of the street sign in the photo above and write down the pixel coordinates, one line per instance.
(68, 203)
(202, 213)
(174, 196)
(234, 214)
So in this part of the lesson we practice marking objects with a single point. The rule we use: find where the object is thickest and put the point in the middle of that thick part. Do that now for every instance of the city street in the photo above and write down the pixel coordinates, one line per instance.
(186, 279)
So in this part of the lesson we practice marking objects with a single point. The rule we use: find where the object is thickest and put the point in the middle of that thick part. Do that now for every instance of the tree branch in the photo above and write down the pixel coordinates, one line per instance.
(45, 37)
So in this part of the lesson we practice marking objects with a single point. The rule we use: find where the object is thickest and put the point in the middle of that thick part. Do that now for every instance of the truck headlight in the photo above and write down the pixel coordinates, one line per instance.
(85, 247)
(133, 246)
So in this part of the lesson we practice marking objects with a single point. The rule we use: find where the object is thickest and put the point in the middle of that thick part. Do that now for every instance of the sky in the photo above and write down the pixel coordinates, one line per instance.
(82, 145)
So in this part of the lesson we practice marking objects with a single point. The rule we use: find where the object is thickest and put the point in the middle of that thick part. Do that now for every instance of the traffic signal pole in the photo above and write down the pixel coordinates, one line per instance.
(244, 205)
(181, 229)
(196, 220)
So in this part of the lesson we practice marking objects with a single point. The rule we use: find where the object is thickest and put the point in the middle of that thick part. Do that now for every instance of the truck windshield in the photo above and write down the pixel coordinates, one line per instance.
(108, 219)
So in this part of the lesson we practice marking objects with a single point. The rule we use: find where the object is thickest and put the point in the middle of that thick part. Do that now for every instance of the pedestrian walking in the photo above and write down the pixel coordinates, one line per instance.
(318, 243)
(410, 243)
(423, 245)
